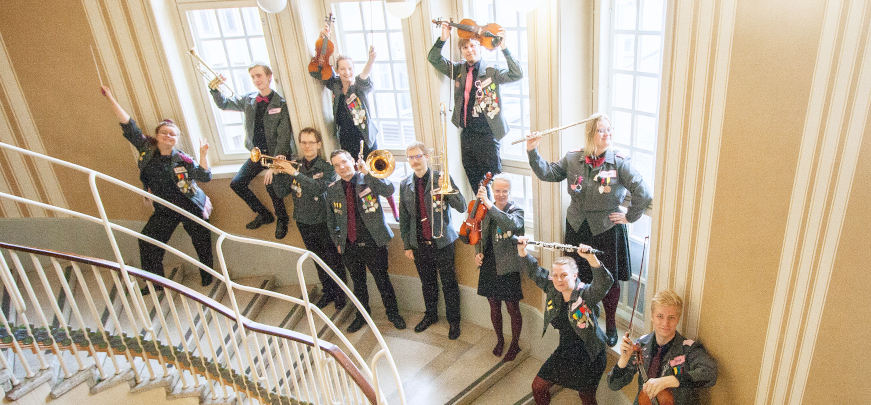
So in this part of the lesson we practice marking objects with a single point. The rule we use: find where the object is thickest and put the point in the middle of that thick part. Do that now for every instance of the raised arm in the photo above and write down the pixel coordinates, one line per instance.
(514, 71)
(122, 115)
(368, 68)
(544, 170)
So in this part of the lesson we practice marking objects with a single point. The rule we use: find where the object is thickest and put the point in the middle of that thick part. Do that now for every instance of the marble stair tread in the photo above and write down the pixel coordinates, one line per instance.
(514, 386)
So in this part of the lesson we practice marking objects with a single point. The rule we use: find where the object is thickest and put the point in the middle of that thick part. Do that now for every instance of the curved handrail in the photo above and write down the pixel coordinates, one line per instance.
(338, 355)
(224, 274)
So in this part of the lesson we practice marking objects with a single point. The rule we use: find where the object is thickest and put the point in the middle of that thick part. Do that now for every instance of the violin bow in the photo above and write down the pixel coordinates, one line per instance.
(638, 288)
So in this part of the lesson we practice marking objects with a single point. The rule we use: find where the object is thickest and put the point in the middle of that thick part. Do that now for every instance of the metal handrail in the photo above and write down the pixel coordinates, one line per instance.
(224, 276)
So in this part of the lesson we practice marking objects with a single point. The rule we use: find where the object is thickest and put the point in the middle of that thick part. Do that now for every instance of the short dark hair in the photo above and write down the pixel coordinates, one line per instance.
(313, 131)
(338, 152)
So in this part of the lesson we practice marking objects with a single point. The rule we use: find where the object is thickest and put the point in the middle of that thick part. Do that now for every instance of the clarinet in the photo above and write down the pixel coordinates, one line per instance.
(560, 246)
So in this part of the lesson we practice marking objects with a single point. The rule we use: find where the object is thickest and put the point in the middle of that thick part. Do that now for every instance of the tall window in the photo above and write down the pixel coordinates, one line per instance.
(634, 72)
(360, 25)
(229, 39)
(515, 101)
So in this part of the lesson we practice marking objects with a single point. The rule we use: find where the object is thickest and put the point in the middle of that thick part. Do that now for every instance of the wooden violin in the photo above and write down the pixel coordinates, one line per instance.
(665, 397)
(469, 29)
(323, 49)
(471, 227)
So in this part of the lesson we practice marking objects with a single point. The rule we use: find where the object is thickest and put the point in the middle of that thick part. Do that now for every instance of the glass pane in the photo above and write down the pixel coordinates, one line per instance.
(647, 94)
(645, 132)
(393, 23)
(253, 25)
(397, 47)
(231, 23)
(356, 48)
(242, 81)
(639, 229)
(231, 117)
(258, 49)
(400, 74)
(379, 40)
(652, 12)
(624, 17)
(512, 110)
(649, 53)
(213, 53)
(643, 162)
(510, 89)
(386, 105)
(206, 23)
(624, 51)
(235, 134)
(407, 133)
(237, 50)
(622, 91)
(404, 105)
(526, 112)
(390, 133)
(351, 20)
(382, 76)
(622, 124)
(373, 17)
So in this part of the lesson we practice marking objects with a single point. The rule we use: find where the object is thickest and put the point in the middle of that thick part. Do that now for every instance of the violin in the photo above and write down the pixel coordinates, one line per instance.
(665, 397)
(323, 49)
(471, 227)
(469, 29)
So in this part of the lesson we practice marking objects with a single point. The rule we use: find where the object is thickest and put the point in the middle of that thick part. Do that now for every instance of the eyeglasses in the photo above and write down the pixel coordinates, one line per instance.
(306, 143)
(416, 157)
(604, 130)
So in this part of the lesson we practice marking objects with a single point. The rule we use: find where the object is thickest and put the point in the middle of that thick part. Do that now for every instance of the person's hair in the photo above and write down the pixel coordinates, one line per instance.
(266, 68)
(463, 41)
(417, 145)
(590, 145)
(567, 262)
(667, 298)
(344, 57)
(315, 133)
(338, 152)
(152, 140)
(504, 177)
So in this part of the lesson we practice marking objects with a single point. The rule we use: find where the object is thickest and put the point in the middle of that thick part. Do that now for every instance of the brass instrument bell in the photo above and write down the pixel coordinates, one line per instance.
(380, 163)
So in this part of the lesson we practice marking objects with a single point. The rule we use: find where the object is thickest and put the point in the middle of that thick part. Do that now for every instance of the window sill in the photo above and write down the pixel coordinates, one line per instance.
(225, 171)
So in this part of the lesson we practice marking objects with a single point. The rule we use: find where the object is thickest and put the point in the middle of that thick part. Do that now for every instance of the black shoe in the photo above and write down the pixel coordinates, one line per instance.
(358, 323)
(426, 322)
(205, 278)
(612, 337)
(261, 219)
(397, 321)
(324, 301)
(340, 302)
(454, 331)
(281, 227)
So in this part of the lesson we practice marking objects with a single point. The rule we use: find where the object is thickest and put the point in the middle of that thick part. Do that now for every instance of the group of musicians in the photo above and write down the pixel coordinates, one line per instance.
(337, 209)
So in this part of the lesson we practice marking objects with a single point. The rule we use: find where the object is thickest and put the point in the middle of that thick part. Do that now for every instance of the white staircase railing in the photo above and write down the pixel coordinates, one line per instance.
(323, 382)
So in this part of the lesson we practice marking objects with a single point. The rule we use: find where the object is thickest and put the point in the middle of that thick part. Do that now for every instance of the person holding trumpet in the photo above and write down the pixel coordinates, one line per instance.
(599, 179)
(306, 181)
(171, 175)
(267, 126)
(572, 308)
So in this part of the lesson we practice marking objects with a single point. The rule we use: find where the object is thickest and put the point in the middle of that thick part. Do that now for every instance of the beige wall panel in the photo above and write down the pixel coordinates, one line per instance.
(57, 74)
(846, 317)
(774, 49)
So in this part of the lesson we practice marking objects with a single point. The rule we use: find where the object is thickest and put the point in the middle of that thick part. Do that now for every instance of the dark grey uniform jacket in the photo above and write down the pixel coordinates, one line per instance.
(508, 223)
(359, 89)
(276, 121)
(408, 215)
(687, 360)
(369, 190)
(587, 202)
(491, 103)
(308, 189)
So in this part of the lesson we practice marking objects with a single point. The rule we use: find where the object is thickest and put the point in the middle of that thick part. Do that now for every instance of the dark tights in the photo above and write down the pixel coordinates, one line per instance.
(516, 326)
(541, 393)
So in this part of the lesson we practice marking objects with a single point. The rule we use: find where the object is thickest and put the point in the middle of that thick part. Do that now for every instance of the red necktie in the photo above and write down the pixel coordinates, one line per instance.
(261, 98)
(653, 369)
(421, 204)
(352, 211)
(469, 79)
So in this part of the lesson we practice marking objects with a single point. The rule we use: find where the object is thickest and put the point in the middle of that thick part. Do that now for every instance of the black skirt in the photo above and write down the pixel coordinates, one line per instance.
(570, 365)
(614, 243)
(492, 285)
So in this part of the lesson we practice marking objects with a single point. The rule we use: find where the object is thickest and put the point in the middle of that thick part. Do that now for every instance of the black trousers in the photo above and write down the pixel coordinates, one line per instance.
(432, 263)
(317, 239)
(239, 184)
(480, 153)
(356, 259)
(160, 226)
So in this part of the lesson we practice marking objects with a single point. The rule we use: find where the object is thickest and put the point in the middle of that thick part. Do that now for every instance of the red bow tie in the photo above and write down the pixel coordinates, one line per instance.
(261, 98)
(595, 162)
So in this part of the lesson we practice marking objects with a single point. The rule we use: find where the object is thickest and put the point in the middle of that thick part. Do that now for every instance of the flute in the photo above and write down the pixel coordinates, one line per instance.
(560, 246)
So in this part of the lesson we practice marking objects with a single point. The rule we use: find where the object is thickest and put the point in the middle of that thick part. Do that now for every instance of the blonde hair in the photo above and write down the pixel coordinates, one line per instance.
(592, 126)
(567, 261)
(667, 298)
(418, 145)
(344, 57)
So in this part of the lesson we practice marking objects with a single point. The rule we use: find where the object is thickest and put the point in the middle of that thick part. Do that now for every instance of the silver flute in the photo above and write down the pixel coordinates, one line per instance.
(561, 246)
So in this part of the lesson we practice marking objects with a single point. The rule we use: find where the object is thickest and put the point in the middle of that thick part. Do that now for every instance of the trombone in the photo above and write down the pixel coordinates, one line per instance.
(537, 134)
(444, 184)
(211, 75)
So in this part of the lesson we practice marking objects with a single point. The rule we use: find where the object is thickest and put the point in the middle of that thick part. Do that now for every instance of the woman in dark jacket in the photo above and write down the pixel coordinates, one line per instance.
(572, 308)
(171, 175)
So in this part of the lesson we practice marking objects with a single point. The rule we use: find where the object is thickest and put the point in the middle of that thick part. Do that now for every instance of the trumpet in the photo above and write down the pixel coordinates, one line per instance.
(257, 156)
(539, 134)
(211, 75)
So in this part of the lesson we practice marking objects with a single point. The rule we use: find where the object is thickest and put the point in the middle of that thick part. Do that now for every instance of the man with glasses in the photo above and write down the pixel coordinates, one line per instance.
(428, 237)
